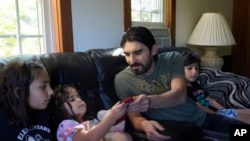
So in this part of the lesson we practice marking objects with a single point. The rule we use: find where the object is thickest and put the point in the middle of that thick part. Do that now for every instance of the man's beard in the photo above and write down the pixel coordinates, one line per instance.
(144, 69)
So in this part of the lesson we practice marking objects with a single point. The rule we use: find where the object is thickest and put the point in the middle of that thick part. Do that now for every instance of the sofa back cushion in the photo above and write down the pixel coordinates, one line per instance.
(75, 68)
(231, 90)
(71, 68)
(169, 49)
(108, 63)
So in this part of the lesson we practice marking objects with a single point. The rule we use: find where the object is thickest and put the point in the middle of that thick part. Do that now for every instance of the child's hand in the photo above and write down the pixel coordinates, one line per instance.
(119, 109)
(139, 103)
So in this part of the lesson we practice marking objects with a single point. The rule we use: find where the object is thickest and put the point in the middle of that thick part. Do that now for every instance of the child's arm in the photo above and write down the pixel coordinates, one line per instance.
(205, 108)
(98, 132)
(214, 103)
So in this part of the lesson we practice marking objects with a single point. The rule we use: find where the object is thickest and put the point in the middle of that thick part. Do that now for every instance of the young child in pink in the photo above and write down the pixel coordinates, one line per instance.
(70, 110)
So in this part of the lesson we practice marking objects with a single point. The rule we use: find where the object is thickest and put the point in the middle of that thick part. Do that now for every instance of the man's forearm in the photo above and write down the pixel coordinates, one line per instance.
(168, 99)
(137, 122)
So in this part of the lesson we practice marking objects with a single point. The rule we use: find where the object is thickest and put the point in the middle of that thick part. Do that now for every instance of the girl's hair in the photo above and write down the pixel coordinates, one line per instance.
(57, 111)
(58, 99)
(15, 79)
(139, 34)
(189, 58)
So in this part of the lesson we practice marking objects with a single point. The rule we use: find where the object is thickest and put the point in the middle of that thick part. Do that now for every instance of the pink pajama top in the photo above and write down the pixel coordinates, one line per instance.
(67, 129)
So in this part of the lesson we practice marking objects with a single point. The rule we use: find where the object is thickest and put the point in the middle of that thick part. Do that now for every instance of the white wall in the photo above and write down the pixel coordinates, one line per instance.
(97, 23)
(188, 13)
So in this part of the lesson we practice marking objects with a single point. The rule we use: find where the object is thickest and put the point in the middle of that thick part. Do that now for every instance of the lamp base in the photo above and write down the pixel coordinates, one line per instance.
(211, 60)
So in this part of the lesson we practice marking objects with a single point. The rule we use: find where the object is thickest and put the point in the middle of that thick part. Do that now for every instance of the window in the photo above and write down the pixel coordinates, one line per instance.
(169, 13)
(22, 27)
(147, 12)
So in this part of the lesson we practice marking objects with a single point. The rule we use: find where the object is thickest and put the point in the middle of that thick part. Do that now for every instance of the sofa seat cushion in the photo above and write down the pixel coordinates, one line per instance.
(231, 90)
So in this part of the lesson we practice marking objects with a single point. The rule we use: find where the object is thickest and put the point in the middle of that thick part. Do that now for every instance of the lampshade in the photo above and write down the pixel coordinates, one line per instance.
(211, 30)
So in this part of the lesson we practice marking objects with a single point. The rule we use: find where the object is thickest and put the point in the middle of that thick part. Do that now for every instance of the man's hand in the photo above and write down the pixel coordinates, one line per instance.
(140, 103)
(152, 129)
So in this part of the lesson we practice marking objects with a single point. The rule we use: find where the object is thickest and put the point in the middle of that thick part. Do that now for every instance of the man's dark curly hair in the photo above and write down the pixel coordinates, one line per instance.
(139, 34)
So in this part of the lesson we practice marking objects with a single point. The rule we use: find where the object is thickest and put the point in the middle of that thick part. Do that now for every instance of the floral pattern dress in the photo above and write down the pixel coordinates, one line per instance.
(67, 128)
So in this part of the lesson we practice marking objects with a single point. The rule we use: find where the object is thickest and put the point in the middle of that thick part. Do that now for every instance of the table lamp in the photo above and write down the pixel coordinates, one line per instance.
(211, 32)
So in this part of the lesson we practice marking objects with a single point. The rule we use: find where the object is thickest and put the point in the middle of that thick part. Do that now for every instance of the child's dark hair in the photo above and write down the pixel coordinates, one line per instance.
(57, 111)
(61, 96)
(190, 57)
(15, 79)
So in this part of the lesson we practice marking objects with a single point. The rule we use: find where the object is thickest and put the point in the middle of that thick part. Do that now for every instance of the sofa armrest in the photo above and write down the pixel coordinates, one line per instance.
(231, 90)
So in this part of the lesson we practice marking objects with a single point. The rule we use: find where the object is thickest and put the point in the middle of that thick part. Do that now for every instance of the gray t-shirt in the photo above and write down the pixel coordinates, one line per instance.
(169, 66)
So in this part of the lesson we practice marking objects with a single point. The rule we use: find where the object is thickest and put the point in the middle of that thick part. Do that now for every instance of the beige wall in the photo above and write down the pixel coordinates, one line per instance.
(188, 13)
(99, 24)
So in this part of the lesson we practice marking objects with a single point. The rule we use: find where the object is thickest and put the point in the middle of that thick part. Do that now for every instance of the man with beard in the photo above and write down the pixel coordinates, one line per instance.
(158, 87)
